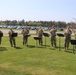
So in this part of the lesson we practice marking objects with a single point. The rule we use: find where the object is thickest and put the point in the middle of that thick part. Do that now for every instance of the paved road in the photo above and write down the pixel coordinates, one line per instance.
(31, 32)
(6, 31)
(18, 31)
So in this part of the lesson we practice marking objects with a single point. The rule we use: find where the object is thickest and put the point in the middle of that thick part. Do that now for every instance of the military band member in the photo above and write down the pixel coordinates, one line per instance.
(11, 39)
(0, 37)
(25, 32)
(67, 35)
(75, 34)
(53, 36)
(40, 33)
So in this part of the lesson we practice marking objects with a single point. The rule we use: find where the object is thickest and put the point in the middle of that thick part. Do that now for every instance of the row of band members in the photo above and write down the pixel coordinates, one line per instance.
(39, 32)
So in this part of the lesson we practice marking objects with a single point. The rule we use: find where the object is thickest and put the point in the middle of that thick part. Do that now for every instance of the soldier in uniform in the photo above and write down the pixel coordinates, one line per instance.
(25, 32)
(75, 34)
(11, 39)
(53, 36)
(1, 37)
(67, 35)
(40, 33)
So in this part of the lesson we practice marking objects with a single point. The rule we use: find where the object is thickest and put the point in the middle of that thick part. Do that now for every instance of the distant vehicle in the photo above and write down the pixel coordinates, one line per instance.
(9, 26)
(0, 26)
(19, 27)
(61, 29)
(45, 28)
(14, 27)
(33, 27)
(4, 26)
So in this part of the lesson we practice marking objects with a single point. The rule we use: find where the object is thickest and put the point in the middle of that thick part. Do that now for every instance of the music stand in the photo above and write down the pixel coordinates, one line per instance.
(60, 35)
(1, 35)
(46, 35)
(73, 42)
(37, 38)
(26, 36)
(14, 34)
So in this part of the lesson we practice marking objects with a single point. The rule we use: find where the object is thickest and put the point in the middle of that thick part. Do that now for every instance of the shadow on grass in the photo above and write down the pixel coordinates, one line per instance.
(31, 46)
(46, 45)
(70, 51)
(38, 46)
(52, 48)
(3, 49)
(43, 46)
(18, 47)
(56, 48)
(60, 47)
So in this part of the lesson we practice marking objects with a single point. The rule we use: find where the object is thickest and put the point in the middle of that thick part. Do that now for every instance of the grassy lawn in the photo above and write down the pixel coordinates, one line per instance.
(33, 60)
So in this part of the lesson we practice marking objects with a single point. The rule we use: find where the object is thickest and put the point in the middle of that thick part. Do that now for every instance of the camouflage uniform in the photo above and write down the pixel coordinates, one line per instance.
(67, 35)
(1, 37)
(40, 33)
(75, 34)
(11, 39)
(25, 32)
(53, 36)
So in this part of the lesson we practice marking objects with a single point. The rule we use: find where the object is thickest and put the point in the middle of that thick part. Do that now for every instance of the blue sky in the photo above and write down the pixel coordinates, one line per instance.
(38, 10)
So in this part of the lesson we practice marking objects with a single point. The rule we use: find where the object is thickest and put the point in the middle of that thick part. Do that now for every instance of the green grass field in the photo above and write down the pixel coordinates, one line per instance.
(33, 60)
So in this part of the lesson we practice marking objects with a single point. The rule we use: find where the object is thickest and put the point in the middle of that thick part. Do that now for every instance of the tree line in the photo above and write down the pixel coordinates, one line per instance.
(35, 23)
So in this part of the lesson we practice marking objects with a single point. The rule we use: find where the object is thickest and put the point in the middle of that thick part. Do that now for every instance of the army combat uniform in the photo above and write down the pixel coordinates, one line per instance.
(75, 34)
(1, 37)
(53, 36)
(11, 39)
(25, 32)
(67, 35)
(40, 33)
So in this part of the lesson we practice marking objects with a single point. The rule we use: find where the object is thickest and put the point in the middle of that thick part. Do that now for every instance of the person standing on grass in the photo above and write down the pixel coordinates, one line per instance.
(1, 36)
(75, 34)
(67, 35)
(11, 39)
(25, 32)
(53, 36)
(40, 33)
